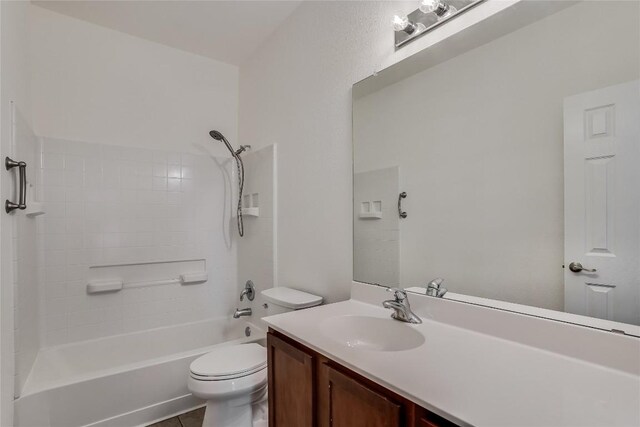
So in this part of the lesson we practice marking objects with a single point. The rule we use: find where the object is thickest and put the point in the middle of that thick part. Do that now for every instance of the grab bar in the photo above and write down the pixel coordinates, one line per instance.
(401, 213)
(115, 285)
(146, 284)
(10, 206)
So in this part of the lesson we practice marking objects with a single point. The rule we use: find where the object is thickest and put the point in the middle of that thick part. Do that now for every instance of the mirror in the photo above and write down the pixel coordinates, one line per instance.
(517, 156)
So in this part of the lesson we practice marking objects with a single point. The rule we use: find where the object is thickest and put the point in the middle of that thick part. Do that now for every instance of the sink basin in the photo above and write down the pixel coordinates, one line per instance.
(371, 333)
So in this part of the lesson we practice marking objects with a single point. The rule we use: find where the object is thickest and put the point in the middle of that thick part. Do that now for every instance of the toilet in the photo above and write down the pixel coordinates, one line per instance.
(233, 379)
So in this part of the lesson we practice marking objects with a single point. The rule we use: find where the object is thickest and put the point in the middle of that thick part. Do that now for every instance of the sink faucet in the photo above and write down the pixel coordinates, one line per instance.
(241, 312)
(400, 306)
(434, 289)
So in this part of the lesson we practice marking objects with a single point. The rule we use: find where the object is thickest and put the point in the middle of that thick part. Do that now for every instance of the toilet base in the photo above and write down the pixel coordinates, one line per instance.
(238, 412)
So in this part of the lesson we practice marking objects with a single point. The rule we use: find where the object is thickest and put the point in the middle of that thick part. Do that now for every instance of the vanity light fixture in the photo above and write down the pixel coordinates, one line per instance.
(429, 15)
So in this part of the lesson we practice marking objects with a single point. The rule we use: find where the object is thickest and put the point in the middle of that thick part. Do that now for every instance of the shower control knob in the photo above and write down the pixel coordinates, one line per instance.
(249, 291)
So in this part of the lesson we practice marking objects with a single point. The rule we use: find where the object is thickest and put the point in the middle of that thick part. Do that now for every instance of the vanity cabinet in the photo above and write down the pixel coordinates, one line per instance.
(307, 389)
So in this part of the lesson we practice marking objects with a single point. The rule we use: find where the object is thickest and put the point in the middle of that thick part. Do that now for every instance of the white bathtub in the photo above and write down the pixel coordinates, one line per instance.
(124, 380)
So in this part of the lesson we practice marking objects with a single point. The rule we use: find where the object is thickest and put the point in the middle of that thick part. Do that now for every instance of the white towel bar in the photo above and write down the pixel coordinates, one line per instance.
(101, 286)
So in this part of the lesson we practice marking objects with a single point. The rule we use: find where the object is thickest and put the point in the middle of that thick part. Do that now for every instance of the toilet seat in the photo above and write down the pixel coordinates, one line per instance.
(229, 362)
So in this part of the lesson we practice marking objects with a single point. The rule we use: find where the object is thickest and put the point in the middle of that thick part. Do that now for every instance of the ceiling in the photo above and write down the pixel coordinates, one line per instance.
(228, 31)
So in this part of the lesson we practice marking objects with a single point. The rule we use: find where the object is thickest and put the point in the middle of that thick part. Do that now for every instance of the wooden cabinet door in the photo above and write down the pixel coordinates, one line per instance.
(352, 404)
(291, 399)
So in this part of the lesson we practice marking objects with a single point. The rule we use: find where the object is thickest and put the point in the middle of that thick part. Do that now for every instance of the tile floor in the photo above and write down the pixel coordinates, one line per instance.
(188, 419)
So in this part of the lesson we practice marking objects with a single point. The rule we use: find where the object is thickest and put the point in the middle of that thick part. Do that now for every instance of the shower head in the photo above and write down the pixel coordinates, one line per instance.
(216, 135)
(236, 155)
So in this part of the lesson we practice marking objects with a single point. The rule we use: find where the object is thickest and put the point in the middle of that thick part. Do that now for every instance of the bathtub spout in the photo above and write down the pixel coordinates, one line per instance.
(241, 312)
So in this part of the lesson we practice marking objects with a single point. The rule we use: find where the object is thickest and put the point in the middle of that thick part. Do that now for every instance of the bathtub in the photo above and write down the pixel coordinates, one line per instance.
(124, 380)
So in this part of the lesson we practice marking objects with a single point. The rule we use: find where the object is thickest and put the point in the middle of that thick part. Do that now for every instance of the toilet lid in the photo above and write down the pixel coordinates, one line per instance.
(231, 361)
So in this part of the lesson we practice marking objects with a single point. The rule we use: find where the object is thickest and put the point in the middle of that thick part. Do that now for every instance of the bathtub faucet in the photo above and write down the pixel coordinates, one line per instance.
(241, 312)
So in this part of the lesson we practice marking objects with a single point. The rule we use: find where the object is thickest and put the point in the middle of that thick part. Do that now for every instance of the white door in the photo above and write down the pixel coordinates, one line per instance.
(602, 203)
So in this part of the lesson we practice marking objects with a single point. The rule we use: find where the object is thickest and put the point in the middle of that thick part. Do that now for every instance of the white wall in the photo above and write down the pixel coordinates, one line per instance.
(98, 85)
(479, 139)
(296, 91)
(13, 87)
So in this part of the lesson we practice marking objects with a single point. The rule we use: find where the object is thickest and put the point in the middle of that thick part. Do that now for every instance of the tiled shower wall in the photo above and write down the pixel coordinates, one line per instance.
(109, 205)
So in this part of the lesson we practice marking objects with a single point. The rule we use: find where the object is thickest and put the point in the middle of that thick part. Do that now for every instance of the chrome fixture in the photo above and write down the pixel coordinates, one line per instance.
(439, 7)
(400, 306)
(401, 213)
(402, 23)
(576, 267)
(236, 155)
(429, 15)
(241, 312)
(249, 291)
(434, 288)
(10, 206)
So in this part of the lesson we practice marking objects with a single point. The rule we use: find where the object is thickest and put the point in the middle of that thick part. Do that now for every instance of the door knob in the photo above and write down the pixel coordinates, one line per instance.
(576, 267)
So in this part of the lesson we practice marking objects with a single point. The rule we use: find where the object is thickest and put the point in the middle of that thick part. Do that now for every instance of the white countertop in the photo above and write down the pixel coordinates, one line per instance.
(475, 378)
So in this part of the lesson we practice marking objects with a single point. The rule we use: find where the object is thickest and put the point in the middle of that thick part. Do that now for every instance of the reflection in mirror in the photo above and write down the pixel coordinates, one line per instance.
(517, 157)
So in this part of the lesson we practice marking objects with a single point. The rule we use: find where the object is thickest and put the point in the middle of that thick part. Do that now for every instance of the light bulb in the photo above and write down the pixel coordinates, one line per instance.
(400, 23)
(428, 6)
(439, 7)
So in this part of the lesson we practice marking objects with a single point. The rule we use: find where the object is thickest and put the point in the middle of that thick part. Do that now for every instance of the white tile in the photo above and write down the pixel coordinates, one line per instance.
(174, 158)
(173, 184)
(74, 192)
(53, 161)
(174, 198)
(187, 185)
(54, 194)
(87, 225)
(92, 240)
(144, 168)
(144, 182)
(160, 169)
(55, 257)
(160, 183)
(73, 178)
(73, 163)
(174, 171)
(187, 172)
(53, 177)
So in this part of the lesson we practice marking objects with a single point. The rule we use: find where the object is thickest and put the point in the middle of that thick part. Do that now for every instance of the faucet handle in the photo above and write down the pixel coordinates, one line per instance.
(435, 288)
(399, 293)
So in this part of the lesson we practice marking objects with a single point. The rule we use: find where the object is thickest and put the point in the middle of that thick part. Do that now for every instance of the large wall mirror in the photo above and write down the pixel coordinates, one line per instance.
(517, 157)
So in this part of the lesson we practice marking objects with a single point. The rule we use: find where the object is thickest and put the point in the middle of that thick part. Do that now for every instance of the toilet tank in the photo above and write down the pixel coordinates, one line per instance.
(282, 300)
